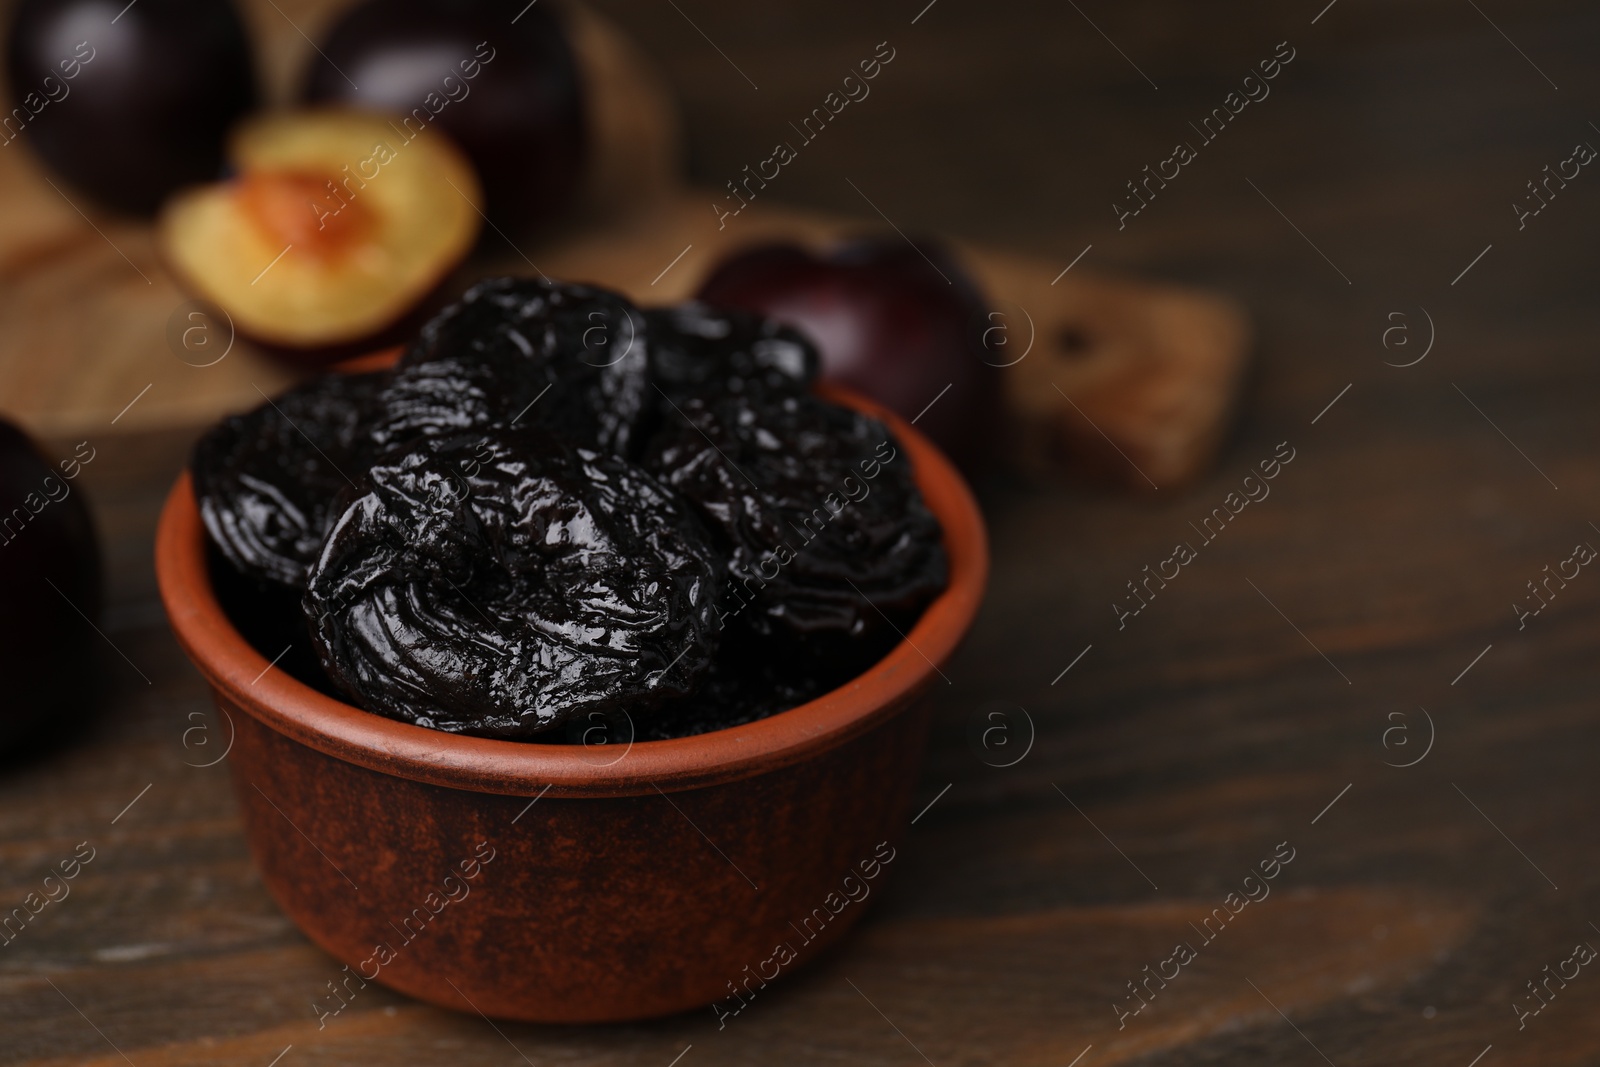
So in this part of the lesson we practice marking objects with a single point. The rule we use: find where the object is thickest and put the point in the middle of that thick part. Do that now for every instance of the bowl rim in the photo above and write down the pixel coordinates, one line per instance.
(243, 677)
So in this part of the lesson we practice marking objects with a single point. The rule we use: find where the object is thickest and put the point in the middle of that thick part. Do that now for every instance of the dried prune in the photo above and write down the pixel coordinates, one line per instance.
(829, 544)
(745, 683)
(494, 355)
(721, 704)
(559, 511)
(266, 480)
(270, 619)
(506, 582)
(696, 349)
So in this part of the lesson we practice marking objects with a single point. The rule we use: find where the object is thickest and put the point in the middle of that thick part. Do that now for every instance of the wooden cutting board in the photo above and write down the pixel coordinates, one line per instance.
(1123, 382)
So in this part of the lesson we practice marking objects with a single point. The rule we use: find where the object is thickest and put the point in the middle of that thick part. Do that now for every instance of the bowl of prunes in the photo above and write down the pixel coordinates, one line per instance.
(576, 657)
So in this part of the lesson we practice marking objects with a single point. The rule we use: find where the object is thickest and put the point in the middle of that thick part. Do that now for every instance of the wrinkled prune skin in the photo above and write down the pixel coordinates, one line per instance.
(504, 583)
(746, 682)
(830, 548)
(522, 351)
(467, 544)
(697, 349)
(266, 480)
(269, 617)
(723, 701)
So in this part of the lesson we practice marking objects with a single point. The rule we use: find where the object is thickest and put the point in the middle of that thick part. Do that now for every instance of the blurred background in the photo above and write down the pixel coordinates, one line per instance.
(1357, 636)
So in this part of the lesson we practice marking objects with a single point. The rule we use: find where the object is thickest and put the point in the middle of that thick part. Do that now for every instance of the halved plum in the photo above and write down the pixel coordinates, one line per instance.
(335, 226)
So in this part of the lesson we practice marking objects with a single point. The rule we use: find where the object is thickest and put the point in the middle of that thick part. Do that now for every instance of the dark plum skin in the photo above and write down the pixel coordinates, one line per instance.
(50, 571)
(888, 323)
(131, 109)
(830, 549)
(266, 481)
(505, 583)
(519, 116)
(571, 358)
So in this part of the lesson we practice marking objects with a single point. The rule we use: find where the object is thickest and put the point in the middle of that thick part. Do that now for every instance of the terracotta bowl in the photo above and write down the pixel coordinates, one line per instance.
(565, 883)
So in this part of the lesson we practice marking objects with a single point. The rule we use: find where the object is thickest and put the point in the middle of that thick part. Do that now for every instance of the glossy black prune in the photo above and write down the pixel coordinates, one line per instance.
(724, 701)
(747, 681)
(266, 480)
(503, 583)
(695, 348)
(521, 351)
(270, 618)
(829, 544)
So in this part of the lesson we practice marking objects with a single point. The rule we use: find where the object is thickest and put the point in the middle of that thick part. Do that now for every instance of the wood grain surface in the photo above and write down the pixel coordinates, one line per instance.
(1267, 694)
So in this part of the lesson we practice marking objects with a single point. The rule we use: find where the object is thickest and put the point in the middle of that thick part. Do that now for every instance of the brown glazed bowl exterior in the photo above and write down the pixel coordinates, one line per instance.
(565, 883)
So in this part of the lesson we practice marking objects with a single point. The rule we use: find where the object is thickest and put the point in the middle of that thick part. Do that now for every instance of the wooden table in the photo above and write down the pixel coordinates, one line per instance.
(1255, 701)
